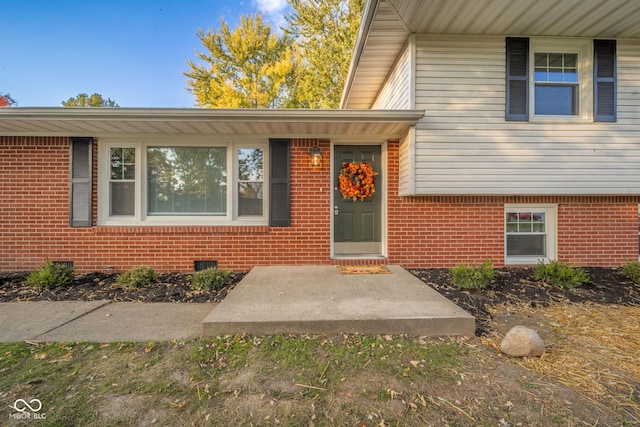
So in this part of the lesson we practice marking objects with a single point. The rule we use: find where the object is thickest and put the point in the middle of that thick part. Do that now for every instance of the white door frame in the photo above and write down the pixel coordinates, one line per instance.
(381, 183)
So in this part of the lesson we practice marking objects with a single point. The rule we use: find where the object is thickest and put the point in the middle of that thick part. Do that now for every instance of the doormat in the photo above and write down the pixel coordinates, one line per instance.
(364, 269)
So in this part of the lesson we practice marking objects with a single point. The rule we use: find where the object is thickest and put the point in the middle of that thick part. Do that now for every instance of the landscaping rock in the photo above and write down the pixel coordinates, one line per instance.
(521, 341)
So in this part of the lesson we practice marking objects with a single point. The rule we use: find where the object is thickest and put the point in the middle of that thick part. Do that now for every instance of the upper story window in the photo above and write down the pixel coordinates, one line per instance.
(566, 79)
(165, 183)
(557, 88)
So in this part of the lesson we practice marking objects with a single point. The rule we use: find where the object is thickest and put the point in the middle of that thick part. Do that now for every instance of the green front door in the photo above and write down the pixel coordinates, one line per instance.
(357, 224)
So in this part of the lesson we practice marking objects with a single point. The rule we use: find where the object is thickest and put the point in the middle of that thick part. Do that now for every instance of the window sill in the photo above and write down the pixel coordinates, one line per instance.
(149, 230)
(222, 221)
(560, 119)
(523, 260)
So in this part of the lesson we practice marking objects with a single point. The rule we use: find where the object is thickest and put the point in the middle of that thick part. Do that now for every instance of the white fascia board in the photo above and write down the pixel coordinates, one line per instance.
(195, 114)
(367, 19)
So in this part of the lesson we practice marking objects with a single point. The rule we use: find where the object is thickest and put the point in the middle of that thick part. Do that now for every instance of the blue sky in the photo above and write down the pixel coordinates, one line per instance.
(132, 51)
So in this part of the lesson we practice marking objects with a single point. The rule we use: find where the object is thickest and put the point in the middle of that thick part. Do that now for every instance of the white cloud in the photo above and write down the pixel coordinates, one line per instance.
(272, 6)
(274, 11)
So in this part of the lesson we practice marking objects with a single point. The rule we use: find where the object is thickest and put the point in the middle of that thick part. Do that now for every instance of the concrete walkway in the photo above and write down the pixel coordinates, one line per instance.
(269, 300)
(100, 321)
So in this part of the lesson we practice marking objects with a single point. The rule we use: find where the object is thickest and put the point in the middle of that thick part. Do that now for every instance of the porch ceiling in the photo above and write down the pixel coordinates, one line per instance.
(387, 24)
(274, 123)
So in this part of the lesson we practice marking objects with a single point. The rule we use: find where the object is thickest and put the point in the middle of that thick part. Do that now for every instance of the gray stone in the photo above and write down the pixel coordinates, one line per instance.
(521, 341)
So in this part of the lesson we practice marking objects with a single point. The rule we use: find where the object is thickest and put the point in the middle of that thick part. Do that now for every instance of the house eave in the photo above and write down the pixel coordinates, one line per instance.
(365, 27)
(387, 24)
(35, 121)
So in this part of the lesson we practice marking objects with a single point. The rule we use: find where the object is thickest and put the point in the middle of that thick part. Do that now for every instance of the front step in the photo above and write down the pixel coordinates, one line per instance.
(363, 259)
(320, 300)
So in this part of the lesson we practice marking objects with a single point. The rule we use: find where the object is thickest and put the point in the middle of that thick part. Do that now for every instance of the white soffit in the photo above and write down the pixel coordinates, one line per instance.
(59, 121)
(387, 24)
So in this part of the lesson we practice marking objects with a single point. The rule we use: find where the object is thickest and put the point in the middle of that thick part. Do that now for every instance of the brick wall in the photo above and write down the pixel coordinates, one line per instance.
(441, 231)
(422, 231)
(34, 190)
(34, 186)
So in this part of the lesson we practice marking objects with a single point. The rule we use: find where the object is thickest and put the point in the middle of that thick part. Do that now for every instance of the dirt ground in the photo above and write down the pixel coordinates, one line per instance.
(588, 376)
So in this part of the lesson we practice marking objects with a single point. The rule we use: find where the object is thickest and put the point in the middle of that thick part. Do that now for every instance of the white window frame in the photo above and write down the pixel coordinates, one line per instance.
(236, 181)
(104, 181)
(584, 49)
(551, 227)
(140, 216)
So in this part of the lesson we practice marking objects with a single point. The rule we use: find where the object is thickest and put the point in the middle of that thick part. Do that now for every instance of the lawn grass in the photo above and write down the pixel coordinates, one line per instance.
(292, 379)
(277, 380)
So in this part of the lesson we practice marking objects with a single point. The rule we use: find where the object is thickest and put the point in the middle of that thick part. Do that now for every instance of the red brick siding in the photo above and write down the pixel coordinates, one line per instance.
(441, 231)
(422, 231)
(34, 187)
(597, 232)
(34, 190)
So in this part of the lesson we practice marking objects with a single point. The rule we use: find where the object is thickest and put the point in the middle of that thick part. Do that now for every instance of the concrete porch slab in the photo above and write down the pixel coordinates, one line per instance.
(320, 300)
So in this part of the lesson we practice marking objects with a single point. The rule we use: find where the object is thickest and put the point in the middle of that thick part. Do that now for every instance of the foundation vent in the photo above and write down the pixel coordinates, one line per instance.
(67, 264)
(203, 265)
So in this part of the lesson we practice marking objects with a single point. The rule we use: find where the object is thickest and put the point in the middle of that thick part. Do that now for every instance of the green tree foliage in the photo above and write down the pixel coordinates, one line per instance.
(249, 67)
(326, 32)
(6, 100)
(84, 100)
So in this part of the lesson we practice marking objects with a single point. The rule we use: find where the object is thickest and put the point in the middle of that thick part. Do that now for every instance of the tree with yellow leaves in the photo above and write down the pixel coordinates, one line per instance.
(326, 32)
(249, 67)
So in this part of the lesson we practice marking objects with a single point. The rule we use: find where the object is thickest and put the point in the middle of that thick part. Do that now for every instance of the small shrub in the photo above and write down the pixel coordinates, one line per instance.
(474, 277)
(49, 275)
(632, 271)
(557, 273)
(209, 279)
(138, 277)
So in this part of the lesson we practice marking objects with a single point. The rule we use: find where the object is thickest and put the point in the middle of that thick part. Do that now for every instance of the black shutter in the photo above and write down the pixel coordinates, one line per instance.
(517, 103)
(279, 183)
(604, 79)
(80, 197)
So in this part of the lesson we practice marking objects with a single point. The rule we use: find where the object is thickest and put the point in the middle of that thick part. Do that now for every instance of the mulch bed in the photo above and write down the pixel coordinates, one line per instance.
(515, 285)
(169, 287)
(511, 285)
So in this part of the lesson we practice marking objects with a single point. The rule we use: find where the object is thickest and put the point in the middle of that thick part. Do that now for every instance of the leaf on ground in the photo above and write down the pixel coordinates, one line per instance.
(392, 393)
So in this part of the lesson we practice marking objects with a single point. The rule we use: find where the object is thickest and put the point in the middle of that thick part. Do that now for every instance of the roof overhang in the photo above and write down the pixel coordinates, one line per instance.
(289, 123)
(387, 24)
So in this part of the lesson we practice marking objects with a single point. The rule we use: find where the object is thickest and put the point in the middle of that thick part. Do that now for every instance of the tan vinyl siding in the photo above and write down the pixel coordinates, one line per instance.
(629, 82)
(465, 146)
(405, 173)
(396, 91)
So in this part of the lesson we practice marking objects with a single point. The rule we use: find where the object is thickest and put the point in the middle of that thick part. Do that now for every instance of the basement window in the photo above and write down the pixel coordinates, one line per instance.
(530, 233)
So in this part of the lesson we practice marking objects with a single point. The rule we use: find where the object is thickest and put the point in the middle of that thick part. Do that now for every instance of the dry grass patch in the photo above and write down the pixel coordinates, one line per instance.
(594, 350)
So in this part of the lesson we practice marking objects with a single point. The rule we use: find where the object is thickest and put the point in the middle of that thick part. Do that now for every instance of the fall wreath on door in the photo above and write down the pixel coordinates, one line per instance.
(357, 181)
